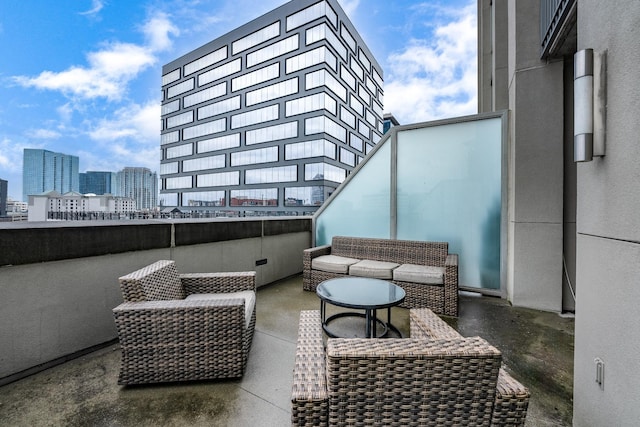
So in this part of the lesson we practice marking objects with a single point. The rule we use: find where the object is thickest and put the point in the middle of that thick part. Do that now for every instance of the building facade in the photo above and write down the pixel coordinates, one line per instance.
(271, 117)
(75, 206)
(139, 184)
(97, 182)
(45, 170)
(574, 228)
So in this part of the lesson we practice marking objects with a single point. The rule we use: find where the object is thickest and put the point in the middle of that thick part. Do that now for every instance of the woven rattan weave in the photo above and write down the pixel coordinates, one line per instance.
(442, 299)
(436, 378)
(165, 338)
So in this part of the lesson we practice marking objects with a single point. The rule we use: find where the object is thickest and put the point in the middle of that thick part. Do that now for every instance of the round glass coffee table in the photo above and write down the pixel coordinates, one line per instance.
(360, 293)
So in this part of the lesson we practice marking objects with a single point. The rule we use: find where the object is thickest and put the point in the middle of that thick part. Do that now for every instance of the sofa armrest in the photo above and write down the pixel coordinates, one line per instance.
(317, 251)
(215, 283)
(451, 286)
(309, 399)
(512, 401)
(425, 324)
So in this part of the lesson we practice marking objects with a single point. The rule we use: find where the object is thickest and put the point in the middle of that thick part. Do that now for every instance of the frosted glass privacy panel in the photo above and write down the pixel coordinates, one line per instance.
(449, 189)
(362, 208)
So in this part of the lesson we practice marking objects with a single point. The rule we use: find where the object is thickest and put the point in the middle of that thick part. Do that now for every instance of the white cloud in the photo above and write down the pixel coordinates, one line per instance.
(96, 6)
(435, 78)
(110, 69)
(43, 134)
(158, 30)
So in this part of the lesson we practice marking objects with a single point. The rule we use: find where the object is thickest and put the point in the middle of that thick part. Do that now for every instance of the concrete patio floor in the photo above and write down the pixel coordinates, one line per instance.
(537, 349)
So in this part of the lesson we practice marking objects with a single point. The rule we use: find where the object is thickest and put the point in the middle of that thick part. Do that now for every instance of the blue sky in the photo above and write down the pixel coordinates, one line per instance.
(82, 77)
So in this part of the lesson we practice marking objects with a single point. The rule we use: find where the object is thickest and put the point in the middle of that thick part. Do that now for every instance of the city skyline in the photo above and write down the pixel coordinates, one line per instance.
(86, 83)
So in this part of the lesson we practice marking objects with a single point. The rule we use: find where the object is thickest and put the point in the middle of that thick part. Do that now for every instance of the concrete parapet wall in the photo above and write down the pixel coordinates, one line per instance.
(59, 302)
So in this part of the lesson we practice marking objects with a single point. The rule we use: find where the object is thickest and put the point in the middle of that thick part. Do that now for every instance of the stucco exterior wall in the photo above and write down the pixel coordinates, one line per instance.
(608, 229)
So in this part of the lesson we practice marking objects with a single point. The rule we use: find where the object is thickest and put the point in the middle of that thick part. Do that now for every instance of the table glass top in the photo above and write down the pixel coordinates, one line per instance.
(360, 292)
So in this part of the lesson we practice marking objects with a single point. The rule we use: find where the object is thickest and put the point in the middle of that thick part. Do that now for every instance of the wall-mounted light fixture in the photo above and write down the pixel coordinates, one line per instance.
(589, 106)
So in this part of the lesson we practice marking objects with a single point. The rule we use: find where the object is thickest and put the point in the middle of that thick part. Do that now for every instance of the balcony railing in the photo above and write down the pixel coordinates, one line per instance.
(554, 17)
(59, 280)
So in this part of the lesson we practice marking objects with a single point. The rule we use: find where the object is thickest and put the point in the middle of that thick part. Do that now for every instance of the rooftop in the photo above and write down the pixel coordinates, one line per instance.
(537, 350)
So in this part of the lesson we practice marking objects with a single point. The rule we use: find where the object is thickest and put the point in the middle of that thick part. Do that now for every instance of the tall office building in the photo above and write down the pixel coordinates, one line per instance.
(45, 170)
(139, 184)
(271, 117)
(97, 182)
(3, 197)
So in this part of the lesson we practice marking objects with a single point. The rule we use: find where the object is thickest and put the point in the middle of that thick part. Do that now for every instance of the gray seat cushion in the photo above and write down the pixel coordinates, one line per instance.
(249, 298)
(373, 269)
(333, 263)
(413, 273)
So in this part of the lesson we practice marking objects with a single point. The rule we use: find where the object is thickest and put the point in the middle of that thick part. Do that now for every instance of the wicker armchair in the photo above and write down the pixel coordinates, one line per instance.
(181, 327)
(406, 382)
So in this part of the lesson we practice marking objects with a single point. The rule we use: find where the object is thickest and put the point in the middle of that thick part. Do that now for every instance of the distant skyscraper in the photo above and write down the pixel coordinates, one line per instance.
(139, 184)
(97, 182)
(271, 117)
(45, 170)
(3, 197)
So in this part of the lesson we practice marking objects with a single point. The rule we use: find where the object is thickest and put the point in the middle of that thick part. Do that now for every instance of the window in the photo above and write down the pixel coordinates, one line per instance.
(348, 77)
(180, 119)
(311, 13)
(205, 95)
(310, 103)
(262, 75)
(347, 157)
(214, 126)
(348, 38)
(306, 149)
(168, 138)
(275, 174)
(303, 196)
(377, 78)
(363, 129)
(219, 107)
(260, 115)
(323, 32)
(347, 117)
(377, 108)
(254, 39)
(314, 125)
(364, 95)
(278, 90)
(252, 157)
(168, 168)
(170, 107)
(179, 182)
(179, 151)
(255, 197)
(323, 78)
(311, 58)
(356, 142)
(323, 171)
(356, 105)
(365, 61)
(220, 143)
(370, 85)
(220, 179)
(171, 77)
(357, 68)
(168, 199)
(376, 138)
(219, 72)
(205, 61)
(272, 51)
(272, 133)
(370, 118)
(203, 163)
(180, 88)
(203, 198)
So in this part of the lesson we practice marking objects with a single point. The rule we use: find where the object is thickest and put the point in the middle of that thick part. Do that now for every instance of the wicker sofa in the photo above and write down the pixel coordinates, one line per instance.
(181, 327)
(435, 378)
(425, 270)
